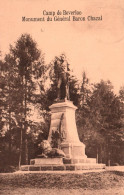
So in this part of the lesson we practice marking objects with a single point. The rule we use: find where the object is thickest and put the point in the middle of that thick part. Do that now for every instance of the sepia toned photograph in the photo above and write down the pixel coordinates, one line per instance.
(61, 97)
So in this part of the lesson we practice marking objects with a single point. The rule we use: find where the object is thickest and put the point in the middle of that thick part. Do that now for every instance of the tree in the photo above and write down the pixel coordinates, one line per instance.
(99, 120)
(84, 125)
(121, 94)
(106, 119)
(121, 98)
(28, 68)
(7, 96)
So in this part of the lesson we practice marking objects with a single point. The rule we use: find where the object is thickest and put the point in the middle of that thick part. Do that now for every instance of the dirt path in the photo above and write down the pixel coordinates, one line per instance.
(36, 191)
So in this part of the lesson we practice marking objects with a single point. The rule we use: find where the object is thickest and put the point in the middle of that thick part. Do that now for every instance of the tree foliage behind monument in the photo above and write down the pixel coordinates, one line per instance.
(101, 127)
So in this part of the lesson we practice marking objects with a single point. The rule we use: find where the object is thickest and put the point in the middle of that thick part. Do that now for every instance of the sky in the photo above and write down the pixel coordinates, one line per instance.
(96, 47)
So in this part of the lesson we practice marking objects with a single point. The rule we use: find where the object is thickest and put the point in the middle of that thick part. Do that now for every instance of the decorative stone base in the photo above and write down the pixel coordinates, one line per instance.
(60, 164)
(74, 150)
(67, 167)
(46, 161)
(76, 161)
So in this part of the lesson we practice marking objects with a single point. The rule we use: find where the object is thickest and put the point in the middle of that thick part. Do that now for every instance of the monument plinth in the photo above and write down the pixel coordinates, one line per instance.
(71, 145)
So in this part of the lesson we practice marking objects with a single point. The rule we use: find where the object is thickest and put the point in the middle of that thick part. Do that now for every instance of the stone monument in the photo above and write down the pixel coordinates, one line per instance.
(63, 124)
(63, 116)
(70, 144)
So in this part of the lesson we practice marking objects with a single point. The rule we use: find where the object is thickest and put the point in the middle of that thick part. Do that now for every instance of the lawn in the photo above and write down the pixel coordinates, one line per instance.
(107, 182)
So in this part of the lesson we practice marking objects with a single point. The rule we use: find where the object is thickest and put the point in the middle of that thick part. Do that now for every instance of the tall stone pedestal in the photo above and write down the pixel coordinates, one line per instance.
(71, 145)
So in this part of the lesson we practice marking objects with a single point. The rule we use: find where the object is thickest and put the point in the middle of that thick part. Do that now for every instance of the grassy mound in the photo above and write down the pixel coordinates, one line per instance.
(96, 180)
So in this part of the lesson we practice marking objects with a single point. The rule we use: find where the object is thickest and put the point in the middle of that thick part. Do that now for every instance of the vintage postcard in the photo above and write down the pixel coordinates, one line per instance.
(62, 96)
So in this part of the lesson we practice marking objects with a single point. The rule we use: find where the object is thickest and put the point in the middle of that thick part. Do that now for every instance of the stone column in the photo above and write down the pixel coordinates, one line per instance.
(71, 145)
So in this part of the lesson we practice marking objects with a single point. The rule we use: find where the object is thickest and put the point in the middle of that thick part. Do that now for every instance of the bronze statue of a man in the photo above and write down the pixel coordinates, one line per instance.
(61, 69)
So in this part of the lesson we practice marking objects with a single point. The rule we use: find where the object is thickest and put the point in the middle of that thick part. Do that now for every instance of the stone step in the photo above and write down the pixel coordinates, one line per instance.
(65, 167)
(82, 160)
(46, 161)
(60, 161)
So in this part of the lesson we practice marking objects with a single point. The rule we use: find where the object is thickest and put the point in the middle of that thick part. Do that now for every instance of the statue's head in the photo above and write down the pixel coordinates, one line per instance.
(63, 57)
